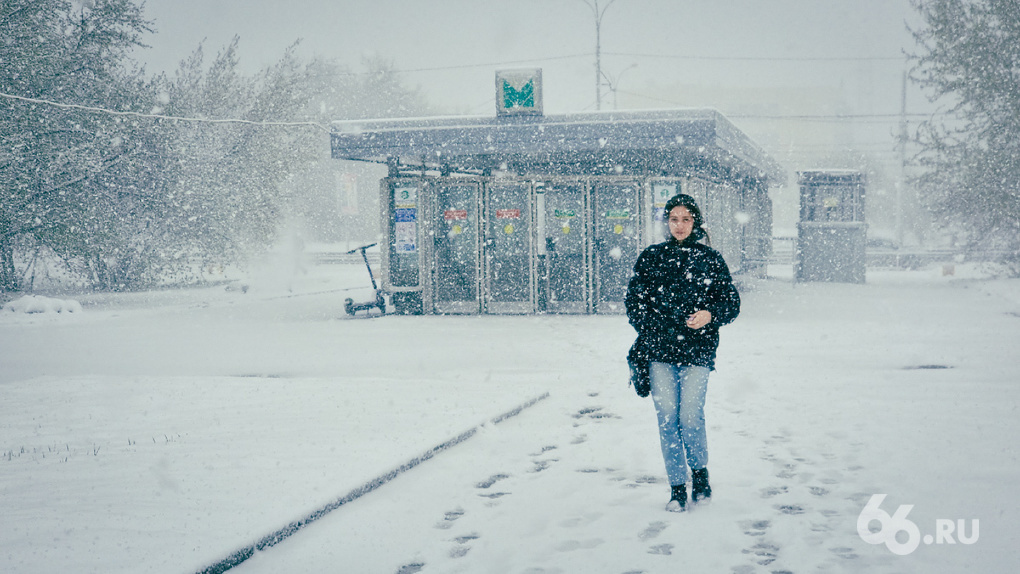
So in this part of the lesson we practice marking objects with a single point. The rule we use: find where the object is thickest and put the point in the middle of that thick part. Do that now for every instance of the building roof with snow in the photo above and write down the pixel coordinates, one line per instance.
(648, 143)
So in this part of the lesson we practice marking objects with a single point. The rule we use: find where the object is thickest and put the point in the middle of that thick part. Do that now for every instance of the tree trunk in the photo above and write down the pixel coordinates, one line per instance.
(8, 275)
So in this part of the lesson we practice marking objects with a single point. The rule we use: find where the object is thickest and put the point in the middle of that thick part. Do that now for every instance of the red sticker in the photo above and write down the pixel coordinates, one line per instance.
(455, 214)
(508, 214)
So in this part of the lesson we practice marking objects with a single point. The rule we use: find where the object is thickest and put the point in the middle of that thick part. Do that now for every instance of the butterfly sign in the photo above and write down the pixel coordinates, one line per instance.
(519, 92)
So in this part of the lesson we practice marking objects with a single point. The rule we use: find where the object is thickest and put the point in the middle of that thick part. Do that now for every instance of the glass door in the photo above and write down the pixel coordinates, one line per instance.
(456, 248)
(617, 243)
(565, 242)
(509, 271)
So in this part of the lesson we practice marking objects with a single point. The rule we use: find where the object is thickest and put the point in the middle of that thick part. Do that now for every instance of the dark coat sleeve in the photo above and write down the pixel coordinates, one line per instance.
(644, 297)
(723, 300)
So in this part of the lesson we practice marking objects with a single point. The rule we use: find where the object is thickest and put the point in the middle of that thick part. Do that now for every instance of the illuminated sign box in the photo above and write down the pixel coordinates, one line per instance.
(519, 92)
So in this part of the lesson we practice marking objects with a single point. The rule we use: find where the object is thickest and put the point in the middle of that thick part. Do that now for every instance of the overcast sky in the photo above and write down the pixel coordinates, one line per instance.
(758, 61)
(720, 43)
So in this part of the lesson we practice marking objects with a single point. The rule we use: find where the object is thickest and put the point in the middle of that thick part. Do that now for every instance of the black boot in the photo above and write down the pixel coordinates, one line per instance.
(678, 499)
(700, 489)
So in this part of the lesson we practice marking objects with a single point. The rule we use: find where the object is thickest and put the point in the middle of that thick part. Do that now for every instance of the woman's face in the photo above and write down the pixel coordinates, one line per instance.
(681, 222)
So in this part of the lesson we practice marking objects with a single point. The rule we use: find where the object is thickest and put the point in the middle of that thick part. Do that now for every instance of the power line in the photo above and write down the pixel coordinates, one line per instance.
(823, 118)
(762, 58)
(860, 118)
(160, 116)
(863, 118)
(468, 66)
(639, 55)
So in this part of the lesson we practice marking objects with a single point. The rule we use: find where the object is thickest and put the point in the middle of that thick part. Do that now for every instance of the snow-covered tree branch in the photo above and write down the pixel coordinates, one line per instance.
(133, 201)
(968, 59)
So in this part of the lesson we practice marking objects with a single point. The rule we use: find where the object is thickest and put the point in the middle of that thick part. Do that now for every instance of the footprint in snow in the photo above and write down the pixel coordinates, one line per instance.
(820, 527)
(755, 527)
(791, 509)
(491, 481)
(645, 480)
(449, 519)
(773, 491)
(582, 520)
(594, 413)
(844, 553)
(787, 471)
(661, 549)
(541, 465)
(462, 548)
(653, 530)
(571, 545)
(494, 495)
(765, 553)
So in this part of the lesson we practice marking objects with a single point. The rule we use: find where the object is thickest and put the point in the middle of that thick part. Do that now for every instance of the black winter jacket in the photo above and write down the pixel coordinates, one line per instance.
(671, 281)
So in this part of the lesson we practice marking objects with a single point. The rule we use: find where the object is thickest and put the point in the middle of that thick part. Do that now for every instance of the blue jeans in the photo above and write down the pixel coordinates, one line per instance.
(679, 395)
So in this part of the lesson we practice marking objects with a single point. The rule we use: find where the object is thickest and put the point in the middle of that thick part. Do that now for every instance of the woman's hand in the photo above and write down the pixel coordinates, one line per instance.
(699, 319)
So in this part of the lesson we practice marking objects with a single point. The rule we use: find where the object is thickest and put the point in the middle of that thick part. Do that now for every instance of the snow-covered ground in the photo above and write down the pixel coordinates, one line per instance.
(165, 431)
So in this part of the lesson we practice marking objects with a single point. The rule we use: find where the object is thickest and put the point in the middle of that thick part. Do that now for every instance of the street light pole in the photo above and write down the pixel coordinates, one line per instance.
(614, 84)
(903, 163)
(598, 13)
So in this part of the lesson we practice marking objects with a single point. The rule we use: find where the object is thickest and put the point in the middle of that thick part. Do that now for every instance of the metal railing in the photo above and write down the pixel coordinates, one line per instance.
(784, 250)
(342, 258)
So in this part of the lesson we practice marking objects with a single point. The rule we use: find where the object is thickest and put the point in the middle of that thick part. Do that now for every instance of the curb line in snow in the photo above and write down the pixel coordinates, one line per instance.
(282, 534)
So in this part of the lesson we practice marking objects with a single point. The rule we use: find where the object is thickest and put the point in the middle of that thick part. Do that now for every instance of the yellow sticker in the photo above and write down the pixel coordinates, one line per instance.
(566, 229)
(618, 229)
(509, 229)
(457, 230)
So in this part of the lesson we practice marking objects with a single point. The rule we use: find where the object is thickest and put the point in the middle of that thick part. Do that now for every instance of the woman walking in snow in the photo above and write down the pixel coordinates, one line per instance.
(679, 296)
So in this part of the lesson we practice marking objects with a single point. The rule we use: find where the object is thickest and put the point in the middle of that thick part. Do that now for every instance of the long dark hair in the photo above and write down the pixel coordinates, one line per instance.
(682, 199)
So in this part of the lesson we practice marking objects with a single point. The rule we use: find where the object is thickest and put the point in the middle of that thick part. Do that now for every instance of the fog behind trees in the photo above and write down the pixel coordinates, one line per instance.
(151, 192)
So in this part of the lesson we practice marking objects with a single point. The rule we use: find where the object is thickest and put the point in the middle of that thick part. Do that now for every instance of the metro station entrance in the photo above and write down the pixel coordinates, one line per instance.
(512, 246)
(531, 213)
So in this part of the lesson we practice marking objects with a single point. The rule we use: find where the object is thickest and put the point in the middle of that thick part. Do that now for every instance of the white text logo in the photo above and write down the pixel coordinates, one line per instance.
(890, 528)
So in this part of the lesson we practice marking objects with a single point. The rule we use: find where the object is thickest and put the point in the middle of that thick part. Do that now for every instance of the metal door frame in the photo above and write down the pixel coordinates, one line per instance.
(572, 307)
(596, 275)
(388, 226)
(431, 301)
(509, 307)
